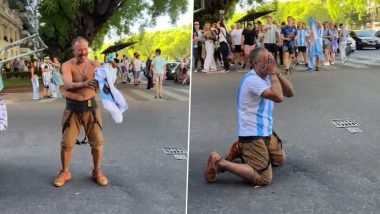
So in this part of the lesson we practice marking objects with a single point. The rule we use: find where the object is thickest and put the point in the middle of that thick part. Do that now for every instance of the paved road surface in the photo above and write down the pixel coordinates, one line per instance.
(327, 170)
(142, 178)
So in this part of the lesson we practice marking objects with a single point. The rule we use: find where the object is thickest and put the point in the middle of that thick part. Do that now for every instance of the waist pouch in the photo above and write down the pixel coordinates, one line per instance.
(81, 106)
(78, 107)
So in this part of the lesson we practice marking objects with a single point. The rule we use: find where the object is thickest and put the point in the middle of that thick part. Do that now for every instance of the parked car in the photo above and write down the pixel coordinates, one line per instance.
(348, 50)
(365, 38)
(352, 43)
(377, 33)
(171, 68)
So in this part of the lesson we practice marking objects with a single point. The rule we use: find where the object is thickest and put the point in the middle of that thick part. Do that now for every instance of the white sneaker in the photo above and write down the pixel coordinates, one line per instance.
(326, 64)
(222, 71)
(332, 63)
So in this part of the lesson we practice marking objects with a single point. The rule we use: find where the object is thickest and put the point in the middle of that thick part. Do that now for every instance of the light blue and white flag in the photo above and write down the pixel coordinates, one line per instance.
(57, 81)
(3, 116)
(112, 99)
(315, 49)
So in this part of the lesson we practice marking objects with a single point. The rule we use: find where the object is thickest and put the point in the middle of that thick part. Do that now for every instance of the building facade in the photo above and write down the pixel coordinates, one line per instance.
(17, 20)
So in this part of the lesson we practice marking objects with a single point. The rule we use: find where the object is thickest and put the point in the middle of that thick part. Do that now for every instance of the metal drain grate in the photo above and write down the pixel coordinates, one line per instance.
(173, 150)
(344, 123)
(180, 157)
(354, 130)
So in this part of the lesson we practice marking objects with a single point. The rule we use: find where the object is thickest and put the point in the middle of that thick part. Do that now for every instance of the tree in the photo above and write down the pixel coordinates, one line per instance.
(174, 44)
(212, 8)
(63, 20)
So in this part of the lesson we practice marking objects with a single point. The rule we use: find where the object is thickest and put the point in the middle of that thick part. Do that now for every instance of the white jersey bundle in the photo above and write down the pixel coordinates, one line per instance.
(3, 116)
(112, 99)
(36, 85)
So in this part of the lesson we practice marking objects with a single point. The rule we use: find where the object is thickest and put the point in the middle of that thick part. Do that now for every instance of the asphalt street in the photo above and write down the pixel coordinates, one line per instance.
(143, 179)
(327, 169)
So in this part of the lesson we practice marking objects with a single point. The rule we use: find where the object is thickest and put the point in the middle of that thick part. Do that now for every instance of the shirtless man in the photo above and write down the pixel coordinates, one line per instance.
(81, 110)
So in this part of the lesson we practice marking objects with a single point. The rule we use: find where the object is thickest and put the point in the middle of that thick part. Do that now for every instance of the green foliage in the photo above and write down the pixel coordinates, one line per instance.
(351, 12)
(174, 44)
(63, 20)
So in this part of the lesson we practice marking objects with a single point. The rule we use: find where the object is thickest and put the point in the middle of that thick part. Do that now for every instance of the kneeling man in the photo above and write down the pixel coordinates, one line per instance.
(258, 146)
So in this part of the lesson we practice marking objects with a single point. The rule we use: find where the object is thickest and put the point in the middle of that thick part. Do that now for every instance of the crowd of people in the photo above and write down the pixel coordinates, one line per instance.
(310, 45)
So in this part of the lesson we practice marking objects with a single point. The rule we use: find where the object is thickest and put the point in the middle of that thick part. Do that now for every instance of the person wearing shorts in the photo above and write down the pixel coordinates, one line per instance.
(270, 37)
(248, 39)
(81, 110)
(288, 37)
(136, 69)
(159, 73)
(258, 146)
(301, 43)
(46, 79)
(236, 41)
(327, 43)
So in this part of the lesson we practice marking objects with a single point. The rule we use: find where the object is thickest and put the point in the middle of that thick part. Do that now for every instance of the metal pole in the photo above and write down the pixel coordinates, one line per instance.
(16, 43)
(21, 55)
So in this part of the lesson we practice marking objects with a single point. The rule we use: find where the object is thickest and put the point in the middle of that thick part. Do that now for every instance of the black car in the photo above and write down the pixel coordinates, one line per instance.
(365, 38)
(171, 68)
(377, 34)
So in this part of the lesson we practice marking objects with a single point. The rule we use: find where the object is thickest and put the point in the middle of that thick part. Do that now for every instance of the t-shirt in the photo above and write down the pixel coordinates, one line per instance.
(302, 34)
(326, 32)
(254, 111)
(270, 36)
(289, 32)
(343, 36)
(136, 65)
(124, 63)
(236, 36)
(46, 76)
(222, 35)
(159, 65)
(197, 37)
(249, 36)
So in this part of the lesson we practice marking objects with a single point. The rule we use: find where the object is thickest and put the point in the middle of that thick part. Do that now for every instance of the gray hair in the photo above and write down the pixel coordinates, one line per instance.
(78, 39)
(255, 55)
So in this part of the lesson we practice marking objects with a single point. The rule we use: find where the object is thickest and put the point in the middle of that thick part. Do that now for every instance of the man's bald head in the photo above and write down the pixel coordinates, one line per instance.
(259, 59)
(77, 40)
(256, 55)
(80, 48)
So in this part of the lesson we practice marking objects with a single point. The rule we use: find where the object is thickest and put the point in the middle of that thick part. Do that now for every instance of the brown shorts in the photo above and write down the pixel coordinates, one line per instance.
(90, 120)
(261, 155)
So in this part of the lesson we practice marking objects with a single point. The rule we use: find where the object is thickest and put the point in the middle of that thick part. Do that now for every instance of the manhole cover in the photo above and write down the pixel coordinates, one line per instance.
(343, 123)
(354, 130)
(180, 157)
(173, 150)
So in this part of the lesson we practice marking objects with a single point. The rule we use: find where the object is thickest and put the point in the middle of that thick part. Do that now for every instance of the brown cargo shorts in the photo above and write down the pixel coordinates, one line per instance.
(92, 123)
(261, 155)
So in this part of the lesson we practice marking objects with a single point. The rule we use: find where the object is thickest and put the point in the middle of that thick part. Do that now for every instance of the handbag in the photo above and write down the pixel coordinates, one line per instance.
(203, 53)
